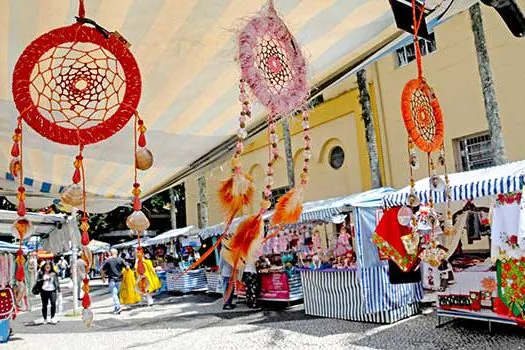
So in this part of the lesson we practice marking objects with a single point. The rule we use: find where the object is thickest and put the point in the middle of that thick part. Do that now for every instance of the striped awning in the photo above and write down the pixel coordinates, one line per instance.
(185, 50)
(466, 185)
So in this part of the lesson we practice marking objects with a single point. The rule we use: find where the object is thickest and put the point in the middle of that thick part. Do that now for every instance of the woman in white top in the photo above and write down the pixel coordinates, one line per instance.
(47, 280)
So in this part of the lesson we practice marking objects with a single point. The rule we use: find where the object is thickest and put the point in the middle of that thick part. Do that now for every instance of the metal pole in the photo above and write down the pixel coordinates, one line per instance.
(74, 277)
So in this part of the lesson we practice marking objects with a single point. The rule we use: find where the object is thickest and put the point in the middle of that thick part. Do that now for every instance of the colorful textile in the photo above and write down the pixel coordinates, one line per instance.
(128, 293)
(387, 237)
(151, 276)
(505, 227)
(511, 282)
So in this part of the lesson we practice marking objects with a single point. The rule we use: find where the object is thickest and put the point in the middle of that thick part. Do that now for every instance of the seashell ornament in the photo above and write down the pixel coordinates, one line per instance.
(143, 159)
(72, 195)
(137, 221)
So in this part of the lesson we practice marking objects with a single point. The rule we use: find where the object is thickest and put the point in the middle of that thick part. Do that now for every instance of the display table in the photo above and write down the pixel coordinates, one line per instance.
(473, 296)
(192, 281)
(214, 282)
(338, 293)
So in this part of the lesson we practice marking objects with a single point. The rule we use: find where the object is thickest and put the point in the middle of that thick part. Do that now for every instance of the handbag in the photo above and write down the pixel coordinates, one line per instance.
(37, 288)
(7, 303)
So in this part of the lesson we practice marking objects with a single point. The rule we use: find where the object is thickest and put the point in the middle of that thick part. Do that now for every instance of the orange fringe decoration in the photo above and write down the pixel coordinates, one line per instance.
(234, 193)
(289, 207)
(242, 246)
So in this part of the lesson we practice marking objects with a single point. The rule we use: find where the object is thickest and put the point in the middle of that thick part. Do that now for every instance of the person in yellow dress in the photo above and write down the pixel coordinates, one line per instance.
(154, 282)
(128, 292)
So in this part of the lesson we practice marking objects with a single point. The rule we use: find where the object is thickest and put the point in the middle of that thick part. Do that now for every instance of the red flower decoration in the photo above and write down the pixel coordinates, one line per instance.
(501, 198)
(522, 290)
(514, 286)
(504, 284)
(514, 277)
(518, 197)
(513, 239)
(506, 267)
(504, 276)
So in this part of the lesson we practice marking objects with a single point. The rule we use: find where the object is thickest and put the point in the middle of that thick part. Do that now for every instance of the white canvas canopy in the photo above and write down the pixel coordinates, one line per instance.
(185, 51)
(170, 235)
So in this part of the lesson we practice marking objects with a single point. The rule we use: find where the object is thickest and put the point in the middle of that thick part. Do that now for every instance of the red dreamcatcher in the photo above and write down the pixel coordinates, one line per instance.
(423, 121)
(78, 85)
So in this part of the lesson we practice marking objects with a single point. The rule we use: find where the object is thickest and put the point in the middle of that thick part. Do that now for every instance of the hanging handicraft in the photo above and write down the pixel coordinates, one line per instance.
(77, 85)
(423, 120)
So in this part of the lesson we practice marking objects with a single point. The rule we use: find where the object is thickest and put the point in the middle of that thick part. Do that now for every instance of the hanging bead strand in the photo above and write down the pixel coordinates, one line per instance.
(137, 221)
(21, 224)
(307, 153)
(273, 155)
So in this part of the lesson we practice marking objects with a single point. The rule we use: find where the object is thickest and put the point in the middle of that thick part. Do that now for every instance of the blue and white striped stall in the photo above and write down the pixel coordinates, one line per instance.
(364, 294)
(466, 185)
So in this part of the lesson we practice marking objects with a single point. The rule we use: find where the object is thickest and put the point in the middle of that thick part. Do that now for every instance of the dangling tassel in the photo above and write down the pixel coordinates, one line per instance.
(242, 246)
(244, 240)
(20, 274)
(235, 193)
(289, 207)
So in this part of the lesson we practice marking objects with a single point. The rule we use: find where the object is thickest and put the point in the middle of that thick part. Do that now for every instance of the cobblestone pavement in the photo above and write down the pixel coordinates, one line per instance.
(197, 322)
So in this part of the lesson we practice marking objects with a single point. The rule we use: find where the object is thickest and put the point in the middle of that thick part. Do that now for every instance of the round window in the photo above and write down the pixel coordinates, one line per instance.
(337, 157)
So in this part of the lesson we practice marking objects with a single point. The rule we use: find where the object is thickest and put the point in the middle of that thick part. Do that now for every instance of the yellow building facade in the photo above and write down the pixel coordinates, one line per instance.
(451, 69)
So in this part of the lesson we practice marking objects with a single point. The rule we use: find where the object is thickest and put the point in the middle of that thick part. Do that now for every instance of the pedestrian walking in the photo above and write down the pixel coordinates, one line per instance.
(63, 266)
(49, 287)
(81, 268)
(112, 271)
(227, 278)
(253, 285)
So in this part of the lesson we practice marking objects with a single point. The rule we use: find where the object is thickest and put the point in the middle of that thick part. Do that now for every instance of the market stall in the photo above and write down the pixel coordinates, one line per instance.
(173, 252)
(362, 292)
(485, 258)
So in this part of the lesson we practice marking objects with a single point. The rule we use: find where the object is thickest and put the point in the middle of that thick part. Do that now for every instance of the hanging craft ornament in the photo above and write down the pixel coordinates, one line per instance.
(274, 68)
(423, 120)
(77, 85)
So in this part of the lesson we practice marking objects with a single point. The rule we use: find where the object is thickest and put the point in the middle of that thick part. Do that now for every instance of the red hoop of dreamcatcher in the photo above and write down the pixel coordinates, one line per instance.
(272, 63)
(422, 115)
(77, 85)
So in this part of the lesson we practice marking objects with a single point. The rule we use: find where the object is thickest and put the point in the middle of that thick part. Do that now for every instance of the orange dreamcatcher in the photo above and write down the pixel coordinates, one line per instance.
(423, 121)
(78, 85)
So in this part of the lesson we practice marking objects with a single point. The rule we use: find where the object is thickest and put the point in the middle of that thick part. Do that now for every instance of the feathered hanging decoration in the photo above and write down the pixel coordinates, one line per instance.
(289, 207)
(274, 67)
(235, 192)
(242, 246)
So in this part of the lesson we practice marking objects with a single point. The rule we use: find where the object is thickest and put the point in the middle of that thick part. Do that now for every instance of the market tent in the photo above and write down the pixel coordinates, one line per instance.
(11, 248)
(130, 244)
(466, 185)
(185, 50)
(43, 224)
(98, 246)
(168, 236)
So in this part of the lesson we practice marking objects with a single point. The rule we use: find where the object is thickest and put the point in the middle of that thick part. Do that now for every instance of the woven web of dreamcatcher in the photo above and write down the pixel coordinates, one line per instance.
(272, 64)
(423, 115)
(271, 59)
(77, 85)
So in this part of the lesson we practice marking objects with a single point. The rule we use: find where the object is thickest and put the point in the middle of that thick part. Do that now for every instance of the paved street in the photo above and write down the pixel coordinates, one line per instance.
(197, 322)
